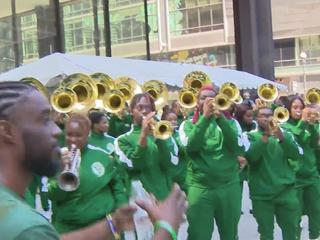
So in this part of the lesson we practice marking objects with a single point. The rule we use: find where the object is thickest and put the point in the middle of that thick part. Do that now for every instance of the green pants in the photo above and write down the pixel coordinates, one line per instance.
(285, 208)
(309, 197)
(208, 205)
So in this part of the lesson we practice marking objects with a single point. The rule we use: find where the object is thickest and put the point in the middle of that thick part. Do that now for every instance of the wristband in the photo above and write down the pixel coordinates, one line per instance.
(112, 227)
(166, 226)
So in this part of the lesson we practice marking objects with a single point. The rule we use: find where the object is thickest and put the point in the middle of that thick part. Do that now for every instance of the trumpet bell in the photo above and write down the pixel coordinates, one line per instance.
(36, 84)
(231, 90)
(158, 91)
(104, 83)
(222, 102)
(281, 114)
(238, 100)
(187, 98)
(313, 96)
(63, 100)
(267, 92)
(128, 86)
(84, 87)
(68, 181)
(163, 130)
(114, 101)
(196, 80)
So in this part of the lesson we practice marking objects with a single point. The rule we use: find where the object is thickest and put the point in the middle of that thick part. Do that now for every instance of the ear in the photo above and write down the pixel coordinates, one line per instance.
(6, 131)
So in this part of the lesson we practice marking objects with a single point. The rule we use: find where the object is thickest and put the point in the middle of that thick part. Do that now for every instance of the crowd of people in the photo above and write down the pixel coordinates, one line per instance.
(209, 155)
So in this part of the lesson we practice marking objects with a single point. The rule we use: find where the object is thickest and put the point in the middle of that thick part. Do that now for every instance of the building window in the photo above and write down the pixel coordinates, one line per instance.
(311, 46)
(29, 36)
(128, 23)
(284, 52)
(192, 16)
(78, 26)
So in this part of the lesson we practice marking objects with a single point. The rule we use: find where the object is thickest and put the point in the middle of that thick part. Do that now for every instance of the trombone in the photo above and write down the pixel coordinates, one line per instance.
(69, 179)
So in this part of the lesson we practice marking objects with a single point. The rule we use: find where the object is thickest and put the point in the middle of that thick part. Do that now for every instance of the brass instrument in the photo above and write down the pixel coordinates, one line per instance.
(84, 87)
(187, 98)
(313, 96)
(128, 86)
(196, 80)
(69, 179)
(104, 84)
(158, 91)
(161, 129)
(280, 115)
(231, 90)
(114, 101)
(267, 92)
(222, 102)
(63, 100)
(36, 84)
(238, 100)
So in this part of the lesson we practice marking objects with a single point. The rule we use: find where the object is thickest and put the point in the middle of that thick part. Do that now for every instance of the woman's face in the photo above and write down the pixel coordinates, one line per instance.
(248, 117)
(296, 109)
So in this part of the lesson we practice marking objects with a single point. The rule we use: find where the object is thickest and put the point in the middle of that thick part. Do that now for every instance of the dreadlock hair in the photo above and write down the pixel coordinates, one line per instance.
(11, 93)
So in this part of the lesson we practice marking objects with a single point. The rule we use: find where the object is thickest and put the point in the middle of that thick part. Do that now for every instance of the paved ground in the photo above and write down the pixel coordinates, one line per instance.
(247, 225)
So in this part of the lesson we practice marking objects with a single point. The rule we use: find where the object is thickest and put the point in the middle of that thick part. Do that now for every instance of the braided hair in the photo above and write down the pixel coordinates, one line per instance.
(11, 93)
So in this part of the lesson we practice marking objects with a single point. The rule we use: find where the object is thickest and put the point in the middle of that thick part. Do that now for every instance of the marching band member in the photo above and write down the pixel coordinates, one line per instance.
(101, 190)
(308, 181)
(214, 192)
(145, 158)
(272, 178)
(244, 116)
(178, 170)
(119, 123)
(98, 135)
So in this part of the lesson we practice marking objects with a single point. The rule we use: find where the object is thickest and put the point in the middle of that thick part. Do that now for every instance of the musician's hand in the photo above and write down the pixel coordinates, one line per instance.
(146, 124)
(123, 218)
(65, 157)
(172, 209)
(208, 108)
(278, 134)
(306, 113)
(242, 161)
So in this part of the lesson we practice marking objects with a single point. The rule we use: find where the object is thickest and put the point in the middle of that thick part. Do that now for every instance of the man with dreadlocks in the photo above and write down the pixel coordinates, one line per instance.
(214, 192)
(29, 146)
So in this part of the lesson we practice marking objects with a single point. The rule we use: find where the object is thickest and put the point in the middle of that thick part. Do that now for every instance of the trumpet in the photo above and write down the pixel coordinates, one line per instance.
(69, 179)
(162, 129)
(280, 115)
(221, 102)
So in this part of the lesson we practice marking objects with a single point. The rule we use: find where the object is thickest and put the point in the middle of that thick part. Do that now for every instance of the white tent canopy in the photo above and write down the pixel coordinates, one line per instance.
(173, 74)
